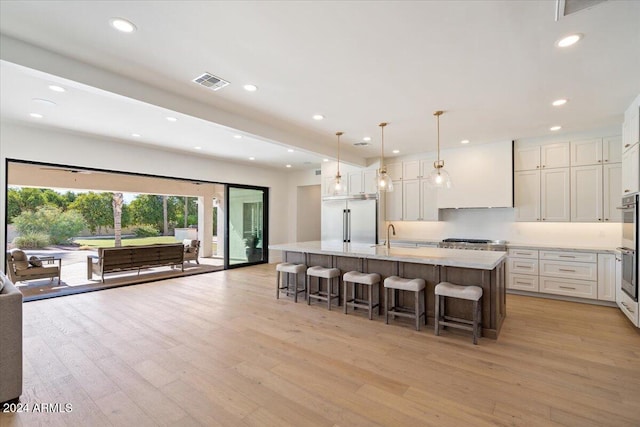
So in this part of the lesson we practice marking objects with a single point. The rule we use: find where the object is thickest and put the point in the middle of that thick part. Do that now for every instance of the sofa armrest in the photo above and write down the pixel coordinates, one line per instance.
(10, 341)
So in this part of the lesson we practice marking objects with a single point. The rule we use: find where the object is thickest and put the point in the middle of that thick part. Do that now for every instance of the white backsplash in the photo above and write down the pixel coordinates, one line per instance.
(499, 224)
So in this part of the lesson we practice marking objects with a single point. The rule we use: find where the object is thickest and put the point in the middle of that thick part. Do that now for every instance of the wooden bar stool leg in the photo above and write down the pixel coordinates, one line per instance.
(370, 302)
(417, 305)
(329, 283)
(277, 285)
(344, 297)
(386, 305)
(437, 326)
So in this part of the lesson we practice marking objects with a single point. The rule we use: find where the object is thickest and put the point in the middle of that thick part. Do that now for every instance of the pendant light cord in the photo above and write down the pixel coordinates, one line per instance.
(382, 125)
(338, 134)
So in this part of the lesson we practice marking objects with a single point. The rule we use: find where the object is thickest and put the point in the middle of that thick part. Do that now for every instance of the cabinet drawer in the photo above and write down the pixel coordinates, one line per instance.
(629, 307)
(569, 287)
(522, 282)
(569, 270)
(569, 256)
(522, 266)
(523, 253)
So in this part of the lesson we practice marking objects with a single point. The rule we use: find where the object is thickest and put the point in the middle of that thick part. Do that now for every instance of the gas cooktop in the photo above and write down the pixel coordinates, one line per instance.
(477, 244)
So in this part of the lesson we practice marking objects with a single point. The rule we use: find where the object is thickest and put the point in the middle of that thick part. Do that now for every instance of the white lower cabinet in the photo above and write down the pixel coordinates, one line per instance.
(606, 277)
(587, 275)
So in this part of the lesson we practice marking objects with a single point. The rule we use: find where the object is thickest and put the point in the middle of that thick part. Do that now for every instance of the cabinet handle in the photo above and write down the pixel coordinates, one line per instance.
(566, 256)
(606, 160)
(606, 219)
(537, 219)
(522, 253)
(599, 161)
(537, 166)
(626, 191)
(567, 287)
(567, 270)
(599, 219)
(627, 145)
(544, 219)
(544, 166)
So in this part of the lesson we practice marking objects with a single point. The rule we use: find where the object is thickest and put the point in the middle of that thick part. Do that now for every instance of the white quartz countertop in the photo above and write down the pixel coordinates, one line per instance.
(483, 260)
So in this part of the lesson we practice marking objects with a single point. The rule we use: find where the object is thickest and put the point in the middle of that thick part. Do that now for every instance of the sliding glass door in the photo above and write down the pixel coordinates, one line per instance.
(247, 225)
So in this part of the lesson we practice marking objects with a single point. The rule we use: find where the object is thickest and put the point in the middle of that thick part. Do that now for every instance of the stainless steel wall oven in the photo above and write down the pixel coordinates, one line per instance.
(629, 247)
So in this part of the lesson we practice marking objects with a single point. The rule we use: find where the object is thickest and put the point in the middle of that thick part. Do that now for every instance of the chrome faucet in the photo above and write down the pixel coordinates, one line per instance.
(390, 227)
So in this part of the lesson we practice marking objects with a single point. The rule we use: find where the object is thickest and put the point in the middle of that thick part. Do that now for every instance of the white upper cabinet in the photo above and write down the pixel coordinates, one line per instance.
(481, 176)
(527, 158)
(369, 178)
(356, 184)
(527, 195)
(393, 203)
(548, 156)
(555, 155)
(631, 127)
(596, 151)
(586, 194)
(411, 200)
(612, 183)
(411, 170)
(394, 170)
(554, 192)
(428, 202)
(586, 152)
(612, 149)
(630, 170)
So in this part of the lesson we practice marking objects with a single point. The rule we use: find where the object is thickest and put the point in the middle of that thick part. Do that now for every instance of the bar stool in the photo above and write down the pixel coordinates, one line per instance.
(356, 278)
(324, 273)
(469, 293)
(393, 283)
(289, 268)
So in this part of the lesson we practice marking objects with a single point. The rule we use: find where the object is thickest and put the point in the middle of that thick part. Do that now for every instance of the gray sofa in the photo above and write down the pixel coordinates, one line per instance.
(10, 341)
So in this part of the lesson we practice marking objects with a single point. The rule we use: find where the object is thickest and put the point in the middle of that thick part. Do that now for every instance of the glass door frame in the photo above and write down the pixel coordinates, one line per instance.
(265, 225)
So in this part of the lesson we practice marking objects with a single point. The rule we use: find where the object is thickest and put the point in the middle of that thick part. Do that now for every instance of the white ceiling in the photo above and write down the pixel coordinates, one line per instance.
(491, 65)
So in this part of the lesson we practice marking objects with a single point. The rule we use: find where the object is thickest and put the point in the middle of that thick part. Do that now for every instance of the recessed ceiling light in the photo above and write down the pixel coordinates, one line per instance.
(197, 148)
(318, 117)
(290, 150)
(252, 158)
(464, 141)
(555, 128)
(136, 135)
(395, 151)
(250, 88)
(122, 25)
(237, 136)
(366, 138)
(569, 40)
(288, 166)
(44, 102)
(36, 115)
(56, 88)
(559, 102)
(325, 160)
(172, 119)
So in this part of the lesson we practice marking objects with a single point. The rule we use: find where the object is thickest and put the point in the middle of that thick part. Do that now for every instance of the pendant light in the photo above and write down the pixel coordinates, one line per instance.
(383, 180)
(336, 182)
(438, 177)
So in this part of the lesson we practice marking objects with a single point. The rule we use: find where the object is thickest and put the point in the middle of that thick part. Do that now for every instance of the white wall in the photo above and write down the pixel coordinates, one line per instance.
(308, 213)
(295, 179)
(43, 145)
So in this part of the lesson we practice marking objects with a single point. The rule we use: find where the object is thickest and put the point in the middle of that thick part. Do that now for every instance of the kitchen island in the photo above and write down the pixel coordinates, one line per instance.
(464, 267)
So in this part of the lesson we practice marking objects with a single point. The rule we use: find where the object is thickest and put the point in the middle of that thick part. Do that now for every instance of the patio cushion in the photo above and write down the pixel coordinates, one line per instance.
(35, 261)
(36, 270)
(20, 259)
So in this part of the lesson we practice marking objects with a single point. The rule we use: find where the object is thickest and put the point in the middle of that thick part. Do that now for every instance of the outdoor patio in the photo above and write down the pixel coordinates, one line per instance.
(74, 274)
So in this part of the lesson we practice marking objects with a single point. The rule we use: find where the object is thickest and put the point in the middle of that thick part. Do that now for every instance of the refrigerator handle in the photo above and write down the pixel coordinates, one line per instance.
(348, 225)
(345, 219)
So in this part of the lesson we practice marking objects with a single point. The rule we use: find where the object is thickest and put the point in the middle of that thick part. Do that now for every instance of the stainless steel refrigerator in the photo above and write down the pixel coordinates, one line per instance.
(350, 219)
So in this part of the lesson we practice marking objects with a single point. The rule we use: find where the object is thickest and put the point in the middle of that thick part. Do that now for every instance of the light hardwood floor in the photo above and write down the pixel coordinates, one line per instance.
(219, 349)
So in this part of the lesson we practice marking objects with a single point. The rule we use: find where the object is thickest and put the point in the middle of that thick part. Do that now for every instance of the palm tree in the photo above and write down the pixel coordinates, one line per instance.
(117, 202)
(165, 216)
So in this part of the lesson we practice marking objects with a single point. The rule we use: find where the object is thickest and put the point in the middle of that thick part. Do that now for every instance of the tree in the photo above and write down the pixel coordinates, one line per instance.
(148, 209)
(95, 208)
(165, 217)
(117, 202)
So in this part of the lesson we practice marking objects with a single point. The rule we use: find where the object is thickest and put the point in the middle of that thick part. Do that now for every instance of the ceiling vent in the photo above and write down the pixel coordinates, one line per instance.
(318, 172)
(361, 144)
(210, 81)
(567, 7)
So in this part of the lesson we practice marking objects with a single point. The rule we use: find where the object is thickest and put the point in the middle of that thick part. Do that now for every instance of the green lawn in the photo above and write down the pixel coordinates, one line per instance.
(109, 243)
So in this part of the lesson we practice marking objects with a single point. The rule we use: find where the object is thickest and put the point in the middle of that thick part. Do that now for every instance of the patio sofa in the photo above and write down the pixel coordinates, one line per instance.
(10, 341)
(113, 260)
(21, 268)
(191, 250)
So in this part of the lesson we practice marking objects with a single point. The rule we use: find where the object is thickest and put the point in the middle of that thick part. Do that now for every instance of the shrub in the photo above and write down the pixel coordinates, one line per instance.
(31, 241)
(51, 221)
(145, 230)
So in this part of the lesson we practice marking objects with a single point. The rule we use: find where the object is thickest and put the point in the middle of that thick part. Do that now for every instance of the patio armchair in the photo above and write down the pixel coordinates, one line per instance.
(21, 268)
(191, 250)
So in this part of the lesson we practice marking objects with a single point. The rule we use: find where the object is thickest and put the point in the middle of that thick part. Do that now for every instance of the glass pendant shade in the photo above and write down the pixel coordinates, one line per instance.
(439, 178)
(384, 182)
(336, 184)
